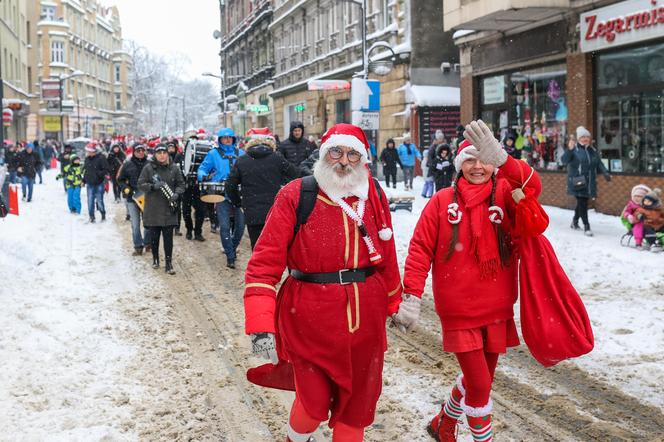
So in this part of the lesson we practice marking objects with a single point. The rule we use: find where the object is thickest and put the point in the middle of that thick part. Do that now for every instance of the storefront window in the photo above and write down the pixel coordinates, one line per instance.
(630, 109)
(533, 111)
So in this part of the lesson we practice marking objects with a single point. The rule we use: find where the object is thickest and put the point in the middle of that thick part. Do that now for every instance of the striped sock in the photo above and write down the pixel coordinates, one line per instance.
(452, 407)
(480, 428)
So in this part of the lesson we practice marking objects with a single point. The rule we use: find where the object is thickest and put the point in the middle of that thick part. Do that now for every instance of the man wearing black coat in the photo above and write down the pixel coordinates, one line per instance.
(27, 165)
(296, 148)
(95, 170)
(259, 174)
(11, 159)
(390, 158)
(128, 181)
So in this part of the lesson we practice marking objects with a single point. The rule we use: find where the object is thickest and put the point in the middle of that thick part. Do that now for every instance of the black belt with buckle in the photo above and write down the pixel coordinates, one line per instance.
(345, 276)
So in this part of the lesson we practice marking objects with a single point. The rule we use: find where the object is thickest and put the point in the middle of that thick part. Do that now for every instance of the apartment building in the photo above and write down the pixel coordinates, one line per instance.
(79, 41)
(322, 40)
(15, 43)
(248, 62)
(540, 68)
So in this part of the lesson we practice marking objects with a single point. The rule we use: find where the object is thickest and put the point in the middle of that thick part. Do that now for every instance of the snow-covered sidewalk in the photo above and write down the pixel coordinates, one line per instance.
(622, 288)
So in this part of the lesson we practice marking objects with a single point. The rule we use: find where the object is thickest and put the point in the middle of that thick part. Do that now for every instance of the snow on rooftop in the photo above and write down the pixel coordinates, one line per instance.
(433, 95)
(461, 33)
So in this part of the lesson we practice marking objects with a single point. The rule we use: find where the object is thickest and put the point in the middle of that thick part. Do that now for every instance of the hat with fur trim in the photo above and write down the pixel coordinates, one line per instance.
(348, 135)
(640, 190)
(257, 136)
(466, 151)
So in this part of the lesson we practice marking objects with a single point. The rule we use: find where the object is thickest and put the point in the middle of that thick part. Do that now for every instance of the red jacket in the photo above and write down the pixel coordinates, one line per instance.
(463, 300)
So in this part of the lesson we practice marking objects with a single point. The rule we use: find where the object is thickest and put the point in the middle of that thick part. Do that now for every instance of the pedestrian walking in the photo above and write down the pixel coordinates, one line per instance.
(583, 164)
(389, 157)
(95, 170)
(40, 153)
(217, 164)
(28, 163)
(11, 160)
(73, 178)
(327, 320)
(427, 190)
(178, 159)
(442, 167)
(408, 154)
(128, 181)
(163, 185)
(464, 231)
(296, 148)
(63, 158)
(256, 179)
(115, 159)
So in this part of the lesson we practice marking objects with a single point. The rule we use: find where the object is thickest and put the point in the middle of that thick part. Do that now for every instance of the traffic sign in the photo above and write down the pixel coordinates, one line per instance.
(365, 95)
(366, 120)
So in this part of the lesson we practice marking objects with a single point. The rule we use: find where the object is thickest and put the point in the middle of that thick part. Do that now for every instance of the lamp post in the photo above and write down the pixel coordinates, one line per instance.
(175, 97)
(78, 110)
(222, 103)
(61, 80)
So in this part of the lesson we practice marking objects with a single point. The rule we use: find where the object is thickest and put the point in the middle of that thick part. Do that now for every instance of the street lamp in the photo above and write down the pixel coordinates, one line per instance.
(78, 109)
(223, 91)
(61, 80)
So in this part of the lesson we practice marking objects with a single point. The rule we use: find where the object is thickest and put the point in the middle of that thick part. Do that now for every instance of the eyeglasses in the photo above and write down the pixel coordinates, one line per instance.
(336, 153)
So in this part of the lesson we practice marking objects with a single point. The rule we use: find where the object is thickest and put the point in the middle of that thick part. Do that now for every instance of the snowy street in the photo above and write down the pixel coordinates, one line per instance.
(96, 345)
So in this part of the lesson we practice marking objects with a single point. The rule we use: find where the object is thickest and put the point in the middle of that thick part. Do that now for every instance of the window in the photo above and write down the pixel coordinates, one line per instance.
(47, 13)
(630, 109)
(118, 102)
(57, 51)
(117, 73)
(343, 111)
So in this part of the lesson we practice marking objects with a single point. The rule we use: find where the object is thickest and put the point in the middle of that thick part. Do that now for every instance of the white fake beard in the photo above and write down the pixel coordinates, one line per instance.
(355, 182)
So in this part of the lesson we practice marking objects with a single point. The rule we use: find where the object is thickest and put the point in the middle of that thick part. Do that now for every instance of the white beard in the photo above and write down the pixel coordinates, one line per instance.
(356, 182)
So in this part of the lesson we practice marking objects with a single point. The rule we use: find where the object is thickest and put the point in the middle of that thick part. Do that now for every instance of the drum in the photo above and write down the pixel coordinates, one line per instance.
(194, 154)
(212, 192)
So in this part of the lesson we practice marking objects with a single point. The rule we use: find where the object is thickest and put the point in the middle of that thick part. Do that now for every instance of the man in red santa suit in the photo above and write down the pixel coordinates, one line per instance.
(468, 232)
(328, 317)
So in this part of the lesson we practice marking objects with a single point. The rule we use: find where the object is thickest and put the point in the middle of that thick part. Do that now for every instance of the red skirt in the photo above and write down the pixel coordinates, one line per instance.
(493, 338)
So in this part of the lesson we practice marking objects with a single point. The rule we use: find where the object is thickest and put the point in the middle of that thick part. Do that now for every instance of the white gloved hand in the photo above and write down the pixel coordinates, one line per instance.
(264, 345)
(489, 149)
(409, 313)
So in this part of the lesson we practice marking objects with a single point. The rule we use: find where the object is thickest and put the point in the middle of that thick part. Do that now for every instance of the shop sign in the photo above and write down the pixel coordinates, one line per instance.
(328, 85)
(299, 107)
(493, 90)
(7, 116)
(258, 108)
(51, 124)
(621, 23)
(50, 90)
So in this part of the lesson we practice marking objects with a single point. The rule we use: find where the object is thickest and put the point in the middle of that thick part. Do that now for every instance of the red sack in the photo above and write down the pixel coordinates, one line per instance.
(106, 185)
(54, 163)
(554, 321)
(13, 199)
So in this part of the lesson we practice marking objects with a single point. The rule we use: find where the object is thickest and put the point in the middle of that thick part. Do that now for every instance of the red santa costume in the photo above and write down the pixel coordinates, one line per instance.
(333, 334)
(466, 233)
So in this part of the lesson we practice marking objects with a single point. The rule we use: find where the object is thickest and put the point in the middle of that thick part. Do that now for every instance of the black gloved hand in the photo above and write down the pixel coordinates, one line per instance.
(174, 198)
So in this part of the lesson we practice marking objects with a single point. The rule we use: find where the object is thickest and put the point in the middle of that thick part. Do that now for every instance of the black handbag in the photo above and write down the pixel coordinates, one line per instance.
(579, 182)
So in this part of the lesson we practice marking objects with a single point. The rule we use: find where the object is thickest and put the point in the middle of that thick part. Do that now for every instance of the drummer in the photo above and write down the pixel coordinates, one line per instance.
(215, 168)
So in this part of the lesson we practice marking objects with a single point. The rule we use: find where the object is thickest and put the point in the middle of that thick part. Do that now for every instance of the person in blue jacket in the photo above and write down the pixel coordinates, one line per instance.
(407, 153)
(216, 166)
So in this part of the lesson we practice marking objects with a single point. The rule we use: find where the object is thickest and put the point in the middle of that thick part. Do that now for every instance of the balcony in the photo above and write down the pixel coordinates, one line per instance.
(499, 15)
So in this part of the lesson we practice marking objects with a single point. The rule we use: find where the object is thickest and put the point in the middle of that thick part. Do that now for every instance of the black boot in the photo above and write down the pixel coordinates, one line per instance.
(188, 235)
(230, 264)
(199, 237)
(168, 268)
(155, 262)
(177, 232)
(575, 224)
(138, 251)
(92, 219)
(103, 216)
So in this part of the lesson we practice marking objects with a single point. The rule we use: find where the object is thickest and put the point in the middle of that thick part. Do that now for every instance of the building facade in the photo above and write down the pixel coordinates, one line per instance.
(539, 69)
(247, 55)
(322, 40)
(80, 41)
(15, 49)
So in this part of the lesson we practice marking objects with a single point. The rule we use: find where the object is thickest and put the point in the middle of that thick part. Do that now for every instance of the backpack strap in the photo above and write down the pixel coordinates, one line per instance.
(307, 201)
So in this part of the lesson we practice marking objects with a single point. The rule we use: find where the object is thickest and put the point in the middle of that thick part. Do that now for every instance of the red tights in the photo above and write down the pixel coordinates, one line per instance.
(301, 422)
(478, 368)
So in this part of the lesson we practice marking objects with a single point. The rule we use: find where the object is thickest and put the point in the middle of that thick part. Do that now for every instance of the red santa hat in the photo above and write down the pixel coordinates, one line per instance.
(349, 135)
(260, 135)
(345, 135)
(465, 152)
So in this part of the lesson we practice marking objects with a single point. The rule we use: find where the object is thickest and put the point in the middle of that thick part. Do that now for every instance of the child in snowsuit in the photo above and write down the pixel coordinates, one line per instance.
(466, 231)
(628, 217)
(73, 177)
(652, 214)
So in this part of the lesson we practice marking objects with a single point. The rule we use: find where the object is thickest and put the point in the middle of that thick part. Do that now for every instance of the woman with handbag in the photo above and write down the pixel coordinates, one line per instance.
(583, 164)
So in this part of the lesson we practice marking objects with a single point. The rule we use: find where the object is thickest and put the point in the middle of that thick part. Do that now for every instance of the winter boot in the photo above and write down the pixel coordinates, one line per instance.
(230, 263)
(103, 216)
(479, 421)
(177, 232)
(188, 235)
(127, 217)
(148, 248)
(587, 231)
(137, 251)
(155, 262)
(168, 268)
(199, 237)
(443, 426)
(92, 219)
(575, 224)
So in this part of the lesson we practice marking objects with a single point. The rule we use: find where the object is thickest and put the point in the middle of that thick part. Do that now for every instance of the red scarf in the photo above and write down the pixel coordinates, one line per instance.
(484, 243)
